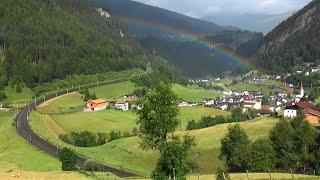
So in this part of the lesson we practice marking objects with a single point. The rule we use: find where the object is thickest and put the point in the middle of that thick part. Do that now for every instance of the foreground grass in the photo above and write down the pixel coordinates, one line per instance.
(17, 153)
(257, 176)
(193, 94)
(18, 174)
(127, 153)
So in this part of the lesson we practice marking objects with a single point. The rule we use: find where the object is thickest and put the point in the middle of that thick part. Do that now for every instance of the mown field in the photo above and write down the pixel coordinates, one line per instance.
(113, 90)
(17, 153)
(127, 152)
(193, 94)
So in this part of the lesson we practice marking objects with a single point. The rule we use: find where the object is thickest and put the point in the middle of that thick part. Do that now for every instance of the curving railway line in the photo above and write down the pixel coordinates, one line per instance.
(23, 128)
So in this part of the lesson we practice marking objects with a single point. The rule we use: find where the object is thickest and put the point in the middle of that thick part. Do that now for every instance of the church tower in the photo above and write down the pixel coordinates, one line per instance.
(301, 90)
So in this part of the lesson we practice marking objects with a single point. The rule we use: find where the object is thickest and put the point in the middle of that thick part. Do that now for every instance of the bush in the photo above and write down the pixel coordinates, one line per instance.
(91, 165)
(222, 174)
(68, 159)
(3, 95)
(206, 121)
(85, 139)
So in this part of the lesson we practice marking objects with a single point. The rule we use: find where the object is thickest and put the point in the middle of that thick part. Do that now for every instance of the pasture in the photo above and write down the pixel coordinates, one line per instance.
(62, 104)
(17, 99)
(193, 94)
(103, 121)
(113, 91)
(127, 152)
(16, 153)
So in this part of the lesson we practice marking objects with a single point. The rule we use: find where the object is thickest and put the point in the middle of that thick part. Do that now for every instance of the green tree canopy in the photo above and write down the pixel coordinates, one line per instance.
(235, 149)
(158, 117)
(174, 159)
(68, 159)
(262, 156)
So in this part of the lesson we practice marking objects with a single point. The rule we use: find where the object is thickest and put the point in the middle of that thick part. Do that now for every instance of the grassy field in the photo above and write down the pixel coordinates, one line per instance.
(62, 104)
(103, 121)
(256, 176)
(17, 99)
(31, 175)
(17, 153)
(195, 113)
(128, 154)
(113, 91)
(193, 94)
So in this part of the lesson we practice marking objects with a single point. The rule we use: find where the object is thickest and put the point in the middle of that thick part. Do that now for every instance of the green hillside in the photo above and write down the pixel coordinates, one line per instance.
(45, 40)
(16, 153)
(292, 42)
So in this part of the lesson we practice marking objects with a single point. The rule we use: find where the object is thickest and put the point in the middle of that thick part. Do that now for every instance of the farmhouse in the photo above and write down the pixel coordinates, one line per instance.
(122, 106)
(310, 111)
(96, 105)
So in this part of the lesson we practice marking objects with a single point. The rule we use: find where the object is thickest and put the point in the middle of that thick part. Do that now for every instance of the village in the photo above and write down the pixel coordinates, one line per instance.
(287, 105)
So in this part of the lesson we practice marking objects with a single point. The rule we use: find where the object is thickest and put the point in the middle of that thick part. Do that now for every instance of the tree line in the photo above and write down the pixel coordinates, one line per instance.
(291, 146)
(237, 115)
(47, 40)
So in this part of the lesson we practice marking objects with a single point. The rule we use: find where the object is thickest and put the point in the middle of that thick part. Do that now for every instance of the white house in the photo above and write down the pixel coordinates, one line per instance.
(183, 104)
(224, 106)
(122, 106)
(291, 111)
(255, 105)
(208, 102)
(245, 93)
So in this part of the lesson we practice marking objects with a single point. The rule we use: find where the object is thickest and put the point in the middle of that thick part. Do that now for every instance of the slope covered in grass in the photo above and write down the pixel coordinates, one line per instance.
(128, 154)
(15, 152)
(113, 91)
(193, 94)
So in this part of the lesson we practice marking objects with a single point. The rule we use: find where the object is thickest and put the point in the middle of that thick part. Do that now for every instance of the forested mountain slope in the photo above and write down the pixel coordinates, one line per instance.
(41, 40)
(178, 38)
(159, 16)
(294, 41)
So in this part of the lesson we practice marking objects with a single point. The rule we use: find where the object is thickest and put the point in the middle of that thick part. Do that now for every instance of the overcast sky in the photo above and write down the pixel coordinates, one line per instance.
(201, 8)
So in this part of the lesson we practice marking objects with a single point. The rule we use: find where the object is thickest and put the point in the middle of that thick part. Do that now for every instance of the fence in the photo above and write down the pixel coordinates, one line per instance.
(23, 128)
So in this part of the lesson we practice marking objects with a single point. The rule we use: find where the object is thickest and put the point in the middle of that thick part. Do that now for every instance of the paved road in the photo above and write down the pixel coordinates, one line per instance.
(26, 132)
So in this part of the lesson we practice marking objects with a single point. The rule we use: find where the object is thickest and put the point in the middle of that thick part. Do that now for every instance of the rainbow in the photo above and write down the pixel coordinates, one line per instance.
(222, 48)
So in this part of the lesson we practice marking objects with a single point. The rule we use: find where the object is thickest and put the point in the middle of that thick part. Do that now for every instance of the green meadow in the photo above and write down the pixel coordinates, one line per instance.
(127, 152)
(193, 94)
(113, 91)
(16, 153)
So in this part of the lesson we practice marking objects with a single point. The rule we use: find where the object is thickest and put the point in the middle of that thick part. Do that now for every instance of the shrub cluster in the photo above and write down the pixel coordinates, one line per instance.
(291, 146)
(206, 121)
(91, 139)
(85, 139)
(236, 116)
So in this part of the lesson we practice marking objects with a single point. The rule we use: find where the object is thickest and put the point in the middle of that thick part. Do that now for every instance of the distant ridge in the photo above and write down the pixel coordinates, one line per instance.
(294, 41)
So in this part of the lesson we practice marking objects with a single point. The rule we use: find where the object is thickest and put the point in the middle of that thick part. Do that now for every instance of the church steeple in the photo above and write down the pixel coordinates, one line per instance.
(301, 90)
